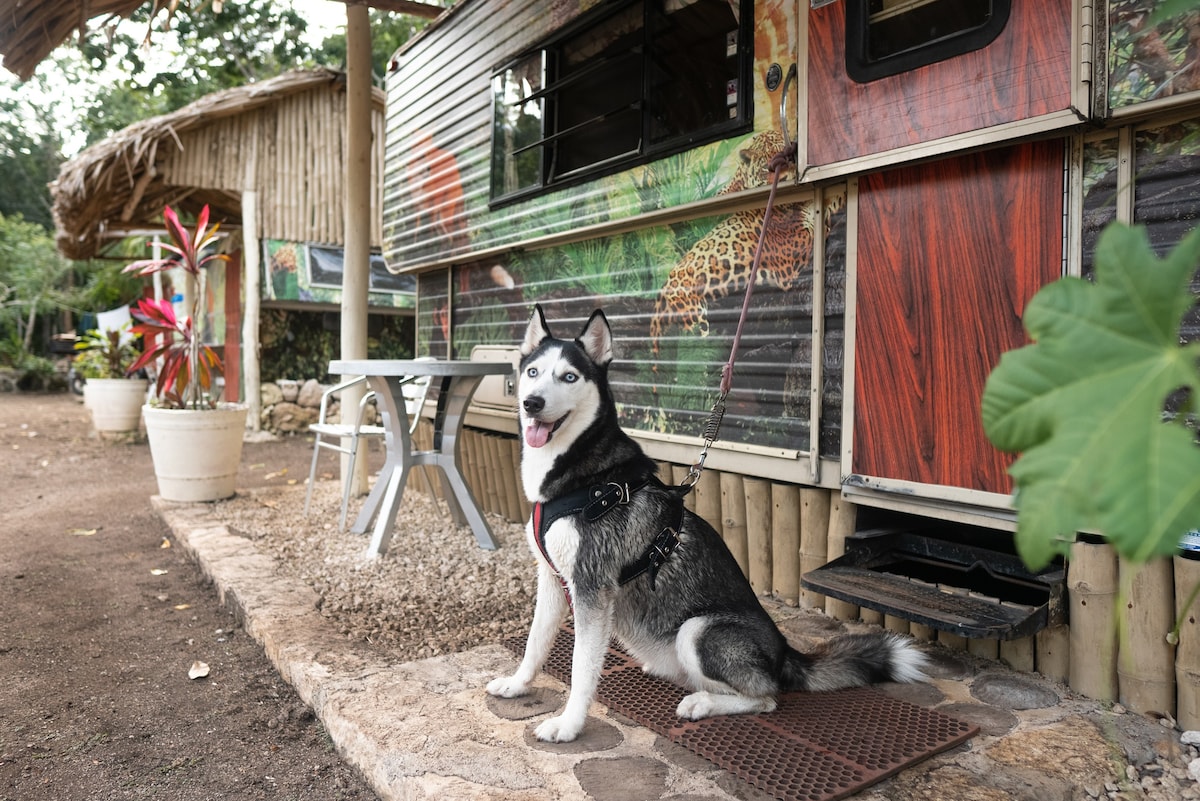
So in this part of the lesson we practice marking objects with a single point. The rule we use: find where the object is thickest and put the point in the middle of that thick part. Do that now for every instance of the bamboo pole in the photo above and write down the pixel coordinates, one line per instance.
(733, 519)
(814, 539)
(842, 516)
(708, 498)
(504, 471)
(514, 464)
(758, 532)
(1145, 669)
(1187, 653)
(1018, 654)
(1053, 653)
(984, 649)
(785, 542)
(1092, 586)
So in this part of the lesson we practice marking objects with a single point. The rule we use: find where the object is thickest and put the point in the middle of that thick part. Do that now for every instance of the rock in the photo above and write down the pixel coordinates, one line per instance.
(310, 393)
(270, 393)
(1190, 738)
(289, 417)
(1194, 770)
(290, 389)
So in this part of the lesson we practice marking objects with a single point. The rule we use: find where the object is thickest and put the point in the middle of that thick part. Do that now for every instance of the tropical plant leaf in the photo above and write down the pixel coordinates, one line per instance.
(1084, 405)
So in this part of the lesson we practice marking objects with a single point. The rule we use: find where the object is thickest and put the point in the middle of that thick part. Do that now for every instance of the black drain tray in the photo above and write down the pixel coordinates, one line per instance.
(950, 586)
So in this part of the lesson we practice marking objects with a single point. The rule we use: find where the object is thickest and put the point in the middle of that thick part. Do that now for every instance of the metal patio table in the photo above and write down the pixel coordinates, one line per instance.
(455, 382)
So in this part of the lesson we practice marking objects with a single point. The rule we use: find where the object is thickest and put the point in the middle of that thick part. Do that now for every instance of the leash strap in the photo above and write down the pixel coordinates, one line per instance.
(712, 427)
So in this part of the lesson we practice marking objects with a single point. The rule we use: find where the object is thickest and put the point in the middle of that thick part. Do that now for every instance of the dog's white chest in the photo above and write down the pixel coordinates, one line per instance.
(559, 546)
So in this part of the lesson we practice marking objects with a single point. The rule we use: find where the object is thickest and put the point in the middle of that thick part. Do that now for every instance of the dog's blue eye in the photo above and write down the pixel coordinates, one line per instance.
(569, 377)
(531, 372)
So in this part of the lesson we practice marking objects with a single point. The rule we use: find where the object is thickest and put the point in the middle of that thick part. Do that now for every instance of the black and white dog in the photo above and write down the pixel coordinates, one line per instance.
(618, 546)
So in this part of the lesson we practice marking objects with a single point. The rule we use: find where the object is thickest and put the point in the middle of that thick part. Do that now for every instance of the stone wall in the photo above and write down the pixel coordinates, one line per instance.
(291, 406)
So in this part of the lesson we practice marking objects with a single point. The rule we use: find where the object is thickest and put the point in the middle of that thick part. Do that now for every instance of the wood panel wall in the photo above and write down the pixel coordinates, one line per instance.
(949, 253)
(300, 147)
(1024, 73)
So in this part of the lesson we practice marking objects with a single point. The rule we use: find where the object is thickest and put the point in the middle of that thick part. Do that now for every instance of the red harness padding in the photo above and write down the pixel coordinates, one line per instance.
(539, 536)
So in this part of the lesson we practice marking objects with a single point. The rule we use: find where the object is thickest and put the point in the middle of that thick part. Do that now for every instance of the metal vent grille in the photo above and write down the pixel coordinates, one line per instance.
(814, 747)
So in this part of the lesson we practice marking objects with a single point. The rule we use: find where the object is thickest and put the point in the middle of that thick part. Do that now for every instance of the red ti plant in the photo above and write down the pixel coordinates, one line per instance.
(188, 365)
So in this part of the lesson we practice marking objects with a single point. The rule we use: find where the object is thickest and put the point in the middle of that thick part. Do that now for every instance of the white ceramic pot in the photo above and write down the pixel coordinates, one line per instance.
(115, 403)
(196, 452)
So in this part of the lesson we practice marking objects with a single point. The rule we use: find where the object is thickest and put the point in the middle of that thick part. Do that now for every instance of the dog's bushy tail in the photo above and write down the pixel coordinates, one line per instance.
(852, 660)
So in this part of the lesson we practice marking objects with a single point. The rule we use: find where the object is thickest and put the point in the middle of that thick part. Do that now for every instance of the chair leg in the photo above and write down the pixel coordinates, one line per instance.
(348, 482)
(312, 473)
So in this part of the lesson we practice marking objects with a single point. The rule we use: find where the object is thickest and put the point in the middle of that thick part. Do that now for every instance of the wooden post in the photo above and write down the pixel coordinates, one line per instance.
(842, 517)
(357, 211)
(1054, 653)
(785, 542)
(758, 532)
(733, 519)
(1092, 587)
(1146, 667)
(504, 473)
(896, 624)
(252, 288)
(1187, 653)
(814, 539)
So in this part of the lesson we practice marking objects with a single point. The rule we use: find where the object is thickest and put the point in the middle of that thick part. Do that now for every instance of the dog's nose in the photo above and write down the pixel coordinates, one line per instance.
(534, 404)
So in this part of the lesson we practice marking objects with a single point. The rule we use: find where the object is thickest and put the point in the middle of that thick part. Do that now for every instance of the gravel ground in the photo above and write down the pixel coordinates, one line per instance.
(434, 592)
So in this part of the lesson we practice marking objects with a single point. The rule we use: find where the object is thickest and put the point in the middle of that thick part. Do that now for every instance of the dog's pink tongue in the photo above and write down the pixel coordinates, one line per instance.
(537, 434)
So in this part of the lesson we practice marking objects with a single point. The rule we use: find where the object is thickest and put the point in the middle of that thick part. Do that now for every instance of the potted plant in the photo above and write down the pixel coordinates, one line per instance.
(195, 441)
(114, 397)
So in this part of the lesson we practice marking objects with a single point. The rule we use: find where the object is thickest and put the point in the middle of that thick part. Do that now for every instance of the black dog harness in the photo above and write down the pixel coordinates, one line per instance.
(593, 503)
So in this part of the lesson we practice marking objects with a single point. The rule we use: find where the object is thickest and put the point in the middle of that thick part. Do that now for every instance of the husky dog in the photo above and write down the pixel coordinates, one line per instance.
(617, 545)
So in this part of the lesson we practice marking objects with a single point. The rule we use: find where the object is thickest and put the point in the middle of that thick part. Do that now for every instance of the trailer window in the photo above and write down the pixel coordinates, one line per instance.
(886, 37)
(631, 82)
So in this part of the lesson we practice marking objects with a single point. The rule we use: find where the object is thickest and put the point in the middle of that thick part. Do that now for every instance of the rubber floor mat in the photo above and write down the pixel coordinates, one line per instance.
(813, 747)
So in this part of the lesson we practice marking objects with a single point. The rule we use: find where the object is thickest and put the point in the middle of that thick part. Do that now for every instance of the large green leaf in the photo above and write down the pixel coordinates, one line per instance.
(1084, 405)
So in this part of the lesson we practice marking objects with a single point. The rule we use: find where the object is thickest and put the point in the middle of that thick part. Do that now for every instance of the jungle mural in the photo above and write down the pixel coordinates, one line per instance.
(296, 271)
(1147, 61)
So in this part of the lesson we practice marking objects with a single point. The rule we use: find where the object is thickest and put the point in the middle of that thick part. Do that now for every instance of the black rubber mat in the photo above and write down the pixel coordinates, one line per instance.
(813, 747)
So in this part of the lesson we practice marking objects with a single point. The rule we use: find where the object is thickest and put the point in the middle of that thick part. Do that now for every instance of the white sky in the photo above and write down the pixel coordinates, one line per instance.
(324, 18)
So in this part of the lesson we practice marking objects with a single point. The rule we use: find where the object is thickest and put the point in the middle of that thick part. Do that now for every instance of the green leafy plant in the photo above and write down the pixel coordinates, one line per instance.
(105, 354)
(1085, 405)
(188, 366)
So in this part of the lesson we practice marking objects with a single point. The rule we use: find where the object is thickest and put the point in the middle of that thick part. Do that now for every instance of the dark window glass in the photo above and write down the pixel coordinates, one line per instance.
(632, 82)
(886, 37)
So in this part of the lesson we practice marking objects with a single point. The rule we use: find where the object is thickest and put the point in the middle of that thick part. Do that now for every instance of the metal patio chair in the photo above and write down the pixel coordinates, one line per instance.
(330, 435)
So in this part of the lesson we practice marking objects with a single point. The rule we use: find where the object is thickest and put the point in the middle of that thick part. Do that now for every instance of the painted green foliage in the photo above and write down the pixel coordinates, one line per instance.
(1084, 405)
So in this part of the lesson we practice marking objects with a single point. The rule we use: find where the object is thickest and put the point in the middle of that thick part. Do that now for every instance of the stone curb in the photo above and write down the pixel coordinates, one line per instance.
(426, 729)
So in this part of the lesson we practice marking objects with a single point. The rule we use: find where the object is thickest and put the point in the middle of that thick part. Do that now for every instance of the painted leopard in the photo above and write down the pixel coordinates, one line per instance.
(719, 263)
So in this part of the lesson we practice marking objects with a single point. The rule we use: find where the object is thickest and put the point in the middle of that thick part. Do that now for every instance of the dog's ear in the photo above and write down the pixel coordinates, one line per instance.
(536, 331)
(596, 339)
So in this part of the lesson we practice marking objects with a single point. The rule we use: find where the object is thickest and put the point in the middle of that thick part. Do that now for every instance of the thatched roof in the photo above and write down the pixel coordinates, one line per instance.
(30, 29)
(117, 185)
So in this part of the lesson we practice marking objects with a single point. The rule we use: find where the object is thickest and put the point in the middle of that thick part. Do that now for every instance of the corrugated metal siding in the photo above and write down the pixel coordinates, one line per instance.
(438, 156)
(301, 151)
(668, 384)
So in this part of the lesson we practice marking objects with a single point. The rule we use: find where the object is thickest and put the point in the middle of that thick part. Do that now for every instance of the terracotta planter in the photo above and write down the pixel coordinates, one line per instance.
(115, 403)
(196, 451)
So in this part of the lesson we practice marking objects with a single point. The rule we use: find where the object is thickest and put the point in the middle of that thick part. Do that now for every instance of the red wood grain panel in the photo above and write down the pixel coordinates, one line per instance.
(949, 253)
(1024, 73)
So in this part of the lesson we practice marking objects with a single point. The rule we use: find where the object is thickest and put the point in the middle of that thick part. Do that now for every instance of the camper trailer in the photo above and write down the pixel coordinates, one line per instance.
(937, 162)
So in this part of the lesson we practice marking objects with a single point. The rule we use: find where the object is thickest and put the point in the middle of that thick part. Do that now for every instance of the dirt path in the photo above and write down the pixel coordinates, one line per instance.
(100, 622)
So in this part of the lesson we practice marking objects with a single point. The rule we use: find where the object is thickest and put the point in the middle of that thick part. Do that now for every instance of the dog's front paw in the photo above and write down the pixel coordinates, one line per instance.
(696, 706)
(557, 730)
(507, 687)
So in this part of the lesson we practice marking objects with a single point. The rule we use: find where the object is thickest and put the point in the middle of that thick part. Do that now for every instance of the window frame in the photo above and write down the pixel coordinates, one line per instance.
(549, 47)
(863, 69)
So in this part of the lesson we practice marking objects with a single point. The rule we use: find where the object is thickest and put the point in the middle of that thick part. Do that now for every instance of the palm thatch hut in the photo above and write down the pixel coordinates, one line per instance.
(268, 158)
